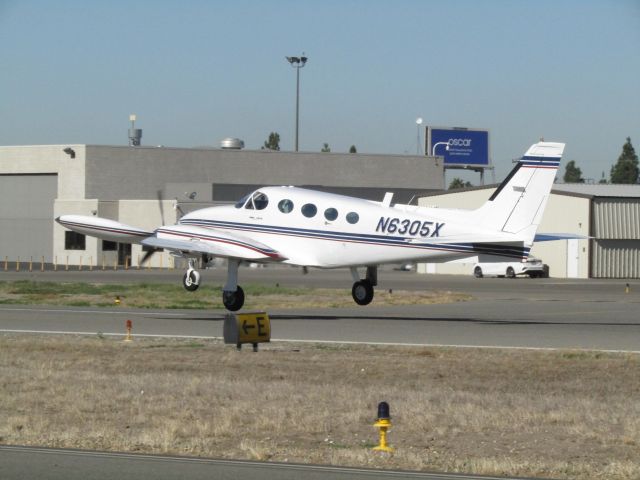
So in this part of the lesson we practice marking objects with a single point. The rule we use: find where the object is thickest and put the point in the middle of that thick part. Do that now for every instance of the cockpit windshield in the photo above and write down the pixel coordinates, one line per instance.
(253, 201)
(240, 203)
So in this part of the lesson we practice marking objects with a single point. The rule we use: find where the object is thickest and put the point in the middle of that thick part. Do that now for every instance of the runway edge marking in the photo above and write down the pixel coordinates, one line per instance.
(330, 342)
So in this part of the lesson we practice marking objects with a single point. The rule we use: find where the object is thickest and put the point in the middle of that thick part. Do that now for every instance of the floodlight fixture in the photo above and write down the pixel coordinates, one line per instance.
(297, 63)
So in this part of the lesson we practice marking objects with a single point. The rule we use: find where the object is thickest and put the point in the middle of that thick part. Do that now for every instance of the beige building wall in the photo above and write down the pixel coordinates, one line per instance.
(38, 159)
(563, 214)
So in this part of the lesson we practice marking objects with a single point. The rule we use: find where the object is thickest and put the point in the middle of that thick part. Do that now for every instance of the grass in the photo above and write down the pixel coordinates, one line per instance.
(146, 295)
(571, 415)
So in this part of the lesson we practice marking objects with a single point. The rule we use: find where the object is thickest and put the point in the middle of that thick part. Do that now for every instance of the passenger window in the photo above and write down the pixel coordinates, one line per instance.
(285, 206)
(353, 217)
(331, 214)
(260, 201)
(309, 210)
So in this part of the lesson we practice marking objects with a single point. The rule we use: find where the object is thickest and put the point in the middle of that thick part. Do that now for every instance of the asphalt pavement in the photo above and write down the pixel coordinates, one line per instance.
(25, 463)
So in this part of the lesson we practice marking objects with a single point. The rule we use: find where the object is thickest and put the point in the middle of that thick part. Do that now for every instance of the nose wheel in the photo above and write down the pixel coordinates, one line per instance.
(362, 292)
(233, 301)
(191, 280)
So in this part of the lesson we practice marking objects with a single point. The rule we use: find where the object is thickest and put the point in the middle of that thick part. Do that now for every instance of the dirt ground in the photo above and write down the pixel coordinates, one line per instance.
(571, 414)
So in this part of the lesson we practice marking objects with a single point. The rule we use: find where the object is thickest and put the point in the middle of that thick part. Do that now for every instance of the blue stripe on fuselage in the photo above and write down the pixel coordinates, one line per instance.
(471, 248)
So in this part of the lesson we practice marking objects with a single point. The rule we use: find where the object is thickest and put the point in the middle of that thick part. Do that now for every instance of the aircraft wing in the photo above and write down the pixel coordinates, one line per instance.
(190, 239)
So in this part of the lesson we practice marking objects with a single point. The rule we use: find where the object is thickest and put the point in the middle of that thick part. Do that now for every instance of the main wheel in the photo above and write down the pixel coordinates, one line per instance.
(511, 272)
(233, 301)
(191, 280)
(477, 272)
(362, 292)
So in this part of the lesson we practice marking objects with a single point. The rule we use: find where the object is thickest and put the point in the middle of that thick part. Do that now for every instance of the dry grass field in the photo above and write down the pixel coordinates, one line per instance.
(570, 415)
(145, 295)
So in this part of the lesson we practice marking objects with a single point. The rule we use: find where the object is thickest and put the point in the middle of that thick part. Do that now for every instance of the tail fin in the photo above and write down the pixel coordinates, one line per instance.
(518, 203)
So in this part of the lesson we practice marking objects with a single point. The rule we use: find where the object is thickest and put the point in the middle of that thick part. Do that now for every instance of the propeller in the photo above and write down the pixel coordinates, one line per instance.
(149, 253)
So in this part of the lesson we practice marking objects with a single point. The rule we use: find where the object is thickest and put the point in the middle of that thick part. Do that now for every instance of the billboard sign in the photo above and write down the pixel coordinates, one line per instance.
(459, 146)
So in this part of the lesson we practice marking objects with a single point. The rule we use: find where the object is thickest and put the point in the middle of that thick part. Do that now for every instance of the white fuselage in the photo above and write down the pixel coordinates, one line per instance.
(344, 231)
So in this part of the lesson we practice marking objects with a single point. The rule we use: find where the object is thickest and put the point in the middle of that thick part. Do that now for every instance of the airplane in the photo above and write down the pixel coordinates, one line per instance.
(308, 228)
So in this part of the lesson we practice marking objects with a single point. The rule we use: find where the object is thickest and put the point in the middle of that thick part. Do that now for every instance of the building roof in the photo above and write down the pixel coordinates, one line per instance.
(586, 190)
(598, 190)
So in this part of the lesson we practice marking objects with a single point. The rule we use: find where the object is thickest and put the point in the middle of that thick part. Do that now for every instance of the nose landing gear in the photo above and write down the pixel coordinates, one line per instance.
(191, 279)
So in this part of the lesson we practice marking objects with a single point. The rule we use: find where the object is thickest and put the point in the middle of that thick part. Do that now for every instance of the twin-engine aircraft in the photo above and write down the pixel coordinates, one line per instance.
(308, 228)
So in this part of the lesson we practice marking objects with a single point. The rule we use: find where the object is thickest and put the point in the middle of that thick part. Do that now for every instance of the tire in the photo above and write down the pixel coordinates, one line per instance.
(233, 301)
(191, 281)
(477, 272)
(511, 272)
(362, 292)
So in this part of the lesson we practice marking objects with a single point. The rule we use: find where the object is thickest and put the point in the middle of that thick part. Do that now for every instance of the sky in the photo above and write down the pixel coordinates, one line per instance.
(195, 72)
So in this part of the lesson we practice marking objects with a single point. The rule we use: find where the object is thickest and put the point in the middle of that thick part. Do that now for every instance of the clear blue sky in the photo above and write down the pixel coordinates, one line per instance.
(198, 71)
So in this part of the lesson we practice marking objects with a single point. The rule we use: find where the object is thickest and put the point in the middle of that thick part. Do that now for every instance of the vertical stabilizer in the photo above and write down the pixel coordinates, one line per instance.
(518, 203)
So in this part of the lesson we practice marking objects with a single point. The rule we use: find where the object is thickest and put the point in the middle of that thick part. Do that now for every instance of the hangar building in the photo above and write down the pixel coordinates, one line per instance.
(149, 187)
(609, 214)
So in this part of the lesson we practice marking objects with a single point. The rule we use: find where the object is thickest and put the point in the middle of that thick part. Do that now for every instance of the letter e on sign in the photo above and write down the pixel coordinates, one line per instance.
(253, 327)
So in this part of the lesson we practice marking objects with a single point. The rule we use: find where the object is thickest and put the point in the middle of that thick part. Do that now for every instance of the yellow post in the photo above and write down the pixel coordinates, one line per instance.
(91, 264)
(18, 265)
(126, 262)
(384, 424)
(6, 263)
(42, 264)
(117, 300)
(31, 263)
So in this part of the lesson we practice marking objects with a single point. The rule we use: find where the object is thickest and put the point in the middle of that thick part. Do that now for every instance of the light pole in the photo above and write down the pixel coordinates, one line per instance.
(433, 149)
(297, 63)
(418, 124)
(444, 170)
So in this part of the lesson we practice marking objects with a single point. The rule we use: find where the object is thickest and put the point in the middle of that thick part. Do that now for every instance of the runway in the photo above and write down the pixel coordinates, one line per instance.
(17, 463)
(520, 313)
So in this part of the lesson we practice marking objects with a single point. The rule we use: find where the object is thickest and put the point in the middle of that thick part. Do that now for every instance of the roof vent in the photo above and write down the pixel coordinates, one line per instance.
(232, 144)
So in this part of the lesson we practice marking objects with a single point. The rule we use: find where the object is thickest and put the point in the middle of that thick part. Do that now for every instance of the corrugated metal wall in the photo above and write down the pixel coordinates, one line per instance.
(616, 218)
(616, 259)
(616, 227)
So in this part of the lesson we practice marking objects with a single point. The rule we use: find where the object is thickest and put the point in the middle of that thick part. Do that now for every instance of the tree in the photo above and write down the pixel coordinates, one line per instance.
(353, 149)
(273, 143)
(626, 168)
(325, 148)
(572, 174)
(459, 183)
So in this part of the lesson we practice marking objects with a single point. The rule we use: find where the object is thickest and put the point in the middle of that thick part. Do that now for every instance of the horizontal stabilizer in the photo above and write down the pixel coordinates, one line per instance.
(550, 237)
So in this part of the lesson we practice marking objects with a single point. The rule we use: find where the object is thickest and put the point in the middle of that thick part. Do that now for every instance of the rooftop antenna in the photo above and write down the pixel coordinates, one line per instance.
(135, 134)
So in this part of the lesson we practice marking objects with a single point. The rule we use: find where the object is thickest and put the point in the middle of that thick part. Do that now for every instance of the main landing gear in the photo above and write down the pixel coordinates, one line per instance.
(232, 293)
(362, 290)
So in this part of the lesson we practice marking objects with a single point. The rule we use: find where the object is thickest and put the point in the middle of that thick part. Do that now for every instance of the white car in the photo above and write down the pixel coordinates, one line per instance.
(532, 267)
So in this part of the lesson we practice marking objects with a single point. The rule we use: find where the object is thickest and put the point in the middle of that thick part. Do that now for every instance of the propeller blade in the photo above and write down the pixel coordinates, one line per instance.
(159, 192)
(148, 254)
